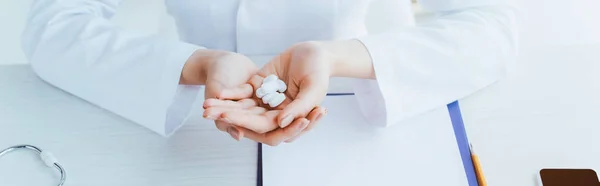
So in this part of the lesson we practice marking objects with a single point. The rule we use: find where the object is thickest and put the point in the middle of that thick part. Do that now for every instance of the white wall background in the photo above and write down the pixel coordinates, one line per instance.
(559, 22)
(555, 22)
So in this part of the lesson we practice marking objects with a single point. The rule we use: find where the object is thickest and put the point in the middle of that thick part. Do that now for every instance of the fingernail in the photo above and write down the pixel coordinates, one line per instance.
(210, 117)
(303, 125)
(319, 116)
(286, 121)
(207, 115)
(224, 118)
(234, 133)
(323, 114)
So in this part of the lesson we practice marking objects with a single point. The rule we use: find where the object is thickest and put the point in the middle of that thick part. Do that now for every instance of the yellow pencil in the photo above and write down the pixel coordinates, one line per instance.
(478, 169)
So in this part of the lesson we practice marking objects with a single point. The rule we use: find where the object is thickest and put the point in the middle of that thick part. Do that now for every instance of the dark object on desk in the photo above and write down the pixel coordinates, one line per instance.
(259, 175)
(569, 177)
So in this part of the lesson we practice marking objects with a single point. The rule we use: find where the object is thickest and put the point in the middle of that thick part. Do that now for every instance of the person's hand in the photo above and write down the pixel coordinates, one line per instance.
(218, 70)
(306, 69)
(258, 123)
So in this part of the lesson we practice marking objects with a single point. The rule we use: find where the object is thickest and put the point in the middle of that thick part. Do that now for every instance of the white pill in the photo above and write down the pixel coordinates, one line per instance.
(277, 100)
(281, 86)
(267, 98)
(260, 93)
(270, 78)
(269, 87)
(48, 158)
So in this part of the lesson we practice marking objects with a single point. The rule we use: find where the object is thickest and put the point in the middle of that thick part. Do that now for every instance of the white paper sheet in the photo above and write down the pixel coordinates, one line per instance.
(344, 150)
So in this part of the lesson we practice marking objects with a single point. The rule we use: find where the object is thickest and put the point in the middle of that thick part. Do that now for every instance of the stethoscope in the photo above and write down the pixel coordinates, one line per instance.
(45, 156)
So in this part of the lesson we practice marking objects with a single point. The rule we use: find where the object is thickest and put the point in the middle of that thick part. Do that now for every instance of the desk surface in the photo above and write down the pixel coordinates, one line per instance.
(544, 114)
(99, 148)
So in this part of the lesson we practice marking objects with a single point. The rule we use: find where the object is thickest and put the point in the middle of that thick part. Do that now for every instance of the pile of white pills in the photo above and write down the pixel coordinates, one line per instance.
(271, 91)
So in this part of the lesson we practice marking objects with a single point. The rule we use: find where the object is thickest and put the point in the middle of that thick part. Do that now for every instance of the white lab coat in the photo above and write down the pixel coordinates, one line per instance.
(72, 45)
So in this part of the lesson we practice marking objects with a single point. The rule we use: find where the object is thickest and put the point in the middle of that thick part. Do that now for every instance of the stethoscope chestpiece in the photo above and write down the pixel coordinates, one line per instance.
(45, 156)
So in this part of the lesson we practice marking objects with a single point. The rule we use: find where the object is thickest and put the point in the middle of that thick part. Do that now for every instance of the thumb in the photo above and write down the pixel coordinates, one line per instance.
(276, 64)
(312, 90)
(237, 93)
(212, 89)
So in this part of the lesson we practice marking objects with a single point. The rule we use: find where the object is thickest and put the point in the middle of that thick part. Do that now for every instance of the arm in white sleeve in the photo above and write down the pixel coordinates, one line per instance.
(72, 45)
(424, 67)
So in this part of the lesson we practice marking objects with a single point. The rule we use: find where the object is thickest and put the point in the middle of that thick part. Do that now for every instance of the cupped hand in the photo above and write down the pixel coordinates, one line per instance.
(258, 123)
(306, 69)
(218, 71)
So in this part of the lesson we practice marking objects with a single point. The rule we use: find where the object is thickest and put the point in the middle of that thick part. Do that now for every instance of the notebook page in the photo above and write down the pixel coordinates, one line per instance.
(344, 150)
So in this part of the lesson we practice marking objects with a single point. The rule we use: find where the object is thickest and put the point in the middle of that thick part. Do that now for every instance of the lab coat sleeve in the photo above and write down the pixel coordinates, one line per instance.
(424, 67)
(72, 45)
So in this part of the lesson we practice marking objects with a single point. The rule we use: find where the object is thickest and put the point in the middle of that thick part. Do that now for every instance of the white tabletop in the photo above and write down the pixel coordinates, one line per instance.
(99, 148)
(544, 114)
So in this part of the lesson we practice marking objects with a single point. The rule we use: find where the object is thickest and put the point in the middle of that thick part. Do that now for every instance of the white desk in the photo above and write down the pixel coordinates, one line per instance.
(99, 148)
(545, 114)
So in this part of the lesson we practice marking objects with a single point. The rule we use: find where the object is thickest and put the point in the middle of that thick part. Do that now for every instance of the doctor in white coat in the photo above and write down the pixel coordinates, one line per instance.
(408, 70)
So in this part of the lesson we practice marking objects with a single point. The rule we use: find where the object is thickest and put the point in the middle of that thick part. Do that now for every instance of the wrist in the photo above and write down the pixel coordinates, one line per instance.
(349, 58)
(319, 50)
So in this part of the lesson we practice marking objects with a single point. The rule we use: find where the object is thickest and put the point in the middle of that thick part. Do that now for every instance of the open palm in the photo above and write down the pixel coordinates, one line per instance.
(305, 70)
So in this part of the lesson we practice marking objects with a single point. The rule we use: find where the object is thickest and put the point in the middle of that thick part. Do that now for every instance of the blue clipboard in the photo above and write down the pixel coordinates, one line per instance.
(459, 132)
(463, 142)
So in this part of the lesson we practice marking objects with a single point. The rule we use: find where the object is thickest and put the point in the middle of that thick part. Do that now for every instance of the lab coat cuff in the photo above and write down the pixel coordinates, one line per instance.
(377, 99)
(178, 99)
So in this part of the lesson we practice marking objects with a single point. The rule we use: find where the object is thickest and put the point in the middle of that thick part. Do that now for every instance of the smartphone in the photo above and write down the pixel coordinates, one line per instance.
(568, 177)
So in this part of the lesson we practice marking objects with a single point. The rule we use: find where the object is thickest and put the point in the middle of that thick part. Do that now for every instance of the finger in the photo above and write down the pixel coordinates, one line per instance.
(256, 110)
(213, 89)
(314, 117)
(272, 66)
(214, 113)
(274, 138)
(233, 131)
(240, 92)
(259, 123)
(244, 103)
(221, 125)
(256, 81)
(312, 91)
